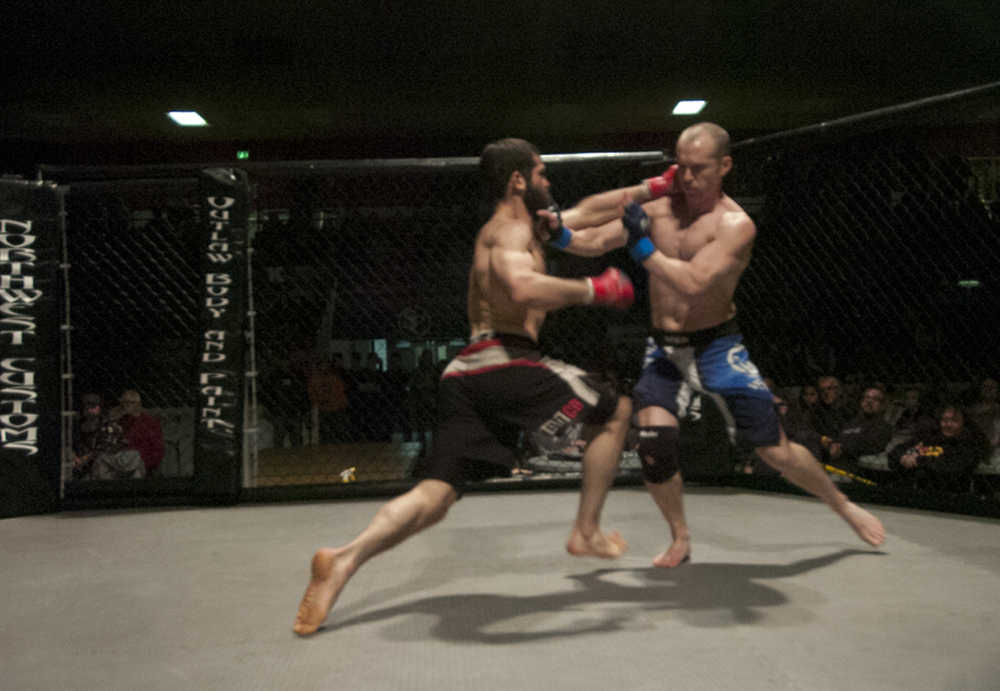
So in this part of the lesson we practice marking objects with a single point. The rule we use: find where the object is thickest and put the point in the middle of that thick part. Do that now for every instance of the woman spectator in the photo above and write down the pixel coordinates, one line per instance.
(942, 459)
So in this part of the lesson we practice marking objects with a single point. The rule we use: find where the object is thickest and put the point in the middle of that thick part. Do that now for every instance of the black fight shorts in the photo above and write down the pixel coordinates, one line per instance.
(497, 387)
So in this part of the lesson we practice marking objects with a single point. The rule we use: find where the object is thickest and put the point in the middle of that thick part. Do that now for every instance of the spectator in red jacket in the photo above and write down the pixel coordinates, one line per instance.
(142, 430)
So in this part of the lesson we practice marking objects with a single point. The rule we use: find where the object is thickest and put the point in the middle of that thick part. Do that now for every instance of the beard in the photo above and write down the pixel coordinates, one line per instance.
(536, 198)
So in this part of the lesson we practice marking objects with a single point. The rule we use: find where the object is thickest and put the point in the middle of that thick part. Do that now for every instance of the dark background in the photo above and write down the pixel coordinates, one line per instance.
(90, 83)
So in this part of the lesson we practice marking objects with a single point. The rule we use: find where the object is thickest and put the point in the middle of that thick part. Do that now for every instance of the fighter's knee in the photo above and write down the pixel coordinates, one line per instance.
(659, 453)
(435, 498)
(437, 512)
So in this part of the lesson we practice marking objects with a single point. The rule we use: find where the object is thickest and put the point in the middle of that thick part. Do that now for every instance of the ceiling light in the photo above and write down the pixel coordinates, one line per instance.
(187, 118)
(688, 107)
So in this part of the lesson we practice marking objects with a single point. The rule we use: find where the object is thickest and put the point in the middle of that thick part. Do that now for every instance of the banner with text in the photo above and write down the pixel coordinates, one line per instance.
(224, 198)
(30, 300)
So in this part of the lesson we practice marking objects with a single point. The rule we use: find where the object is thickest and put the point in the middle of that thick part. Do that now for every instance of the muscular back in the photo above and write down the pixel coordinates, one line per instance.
(501, 244)
(716, 245)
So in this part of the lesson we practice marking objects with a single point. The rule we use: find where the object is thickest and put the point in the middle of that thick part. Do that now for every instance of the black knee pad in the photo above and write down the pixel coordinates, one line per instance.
(658, 453)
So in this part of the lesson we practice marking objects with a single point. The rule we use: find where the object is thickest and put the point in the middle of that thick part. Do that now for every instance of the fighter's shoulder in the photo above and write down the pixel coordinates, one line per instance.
(504, 234)
(733, 219)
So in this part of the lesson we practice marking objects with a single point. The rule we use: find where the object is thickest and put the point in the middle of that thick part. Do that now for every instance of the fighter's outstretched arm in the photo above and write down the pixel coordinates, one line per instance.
(590, 227)
(598, 209)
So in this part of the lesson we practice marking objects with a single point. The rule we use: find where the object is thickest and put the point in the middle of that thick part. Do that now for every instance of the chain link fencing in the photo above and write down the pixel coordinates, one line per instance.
(878, 239)
(360, 280)
(133, 255)
(873, 263)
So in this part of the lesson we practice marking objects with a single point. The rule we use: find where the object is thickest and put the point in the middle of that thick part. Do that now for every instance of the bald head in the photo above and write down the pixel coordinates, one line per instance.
(708, 134)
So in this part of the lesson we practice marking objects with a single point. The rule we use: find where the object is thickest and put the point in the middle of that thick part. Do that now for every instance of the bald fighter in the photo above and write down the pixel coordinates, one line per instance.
(695, 242)
(501, 382)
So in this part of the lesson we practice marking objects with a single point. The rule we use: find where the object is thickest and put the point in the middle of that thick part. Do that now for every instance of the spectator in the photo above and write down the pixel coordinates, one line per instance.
(867, 434)
(829, 415)
(943, 459)
(326, 389)
(912, 416)
(377, 425)
(800, 413)
(851, 391)
(100, 449)
(354, 377)
(985, 412)
(396, 378)
(423, 396)
(142, 430)
(284, 394)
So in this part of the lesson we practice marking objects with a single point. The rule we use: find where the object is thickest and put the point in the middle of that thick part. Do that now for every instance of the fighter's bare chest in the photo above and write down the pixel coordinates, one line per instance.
(683, 242)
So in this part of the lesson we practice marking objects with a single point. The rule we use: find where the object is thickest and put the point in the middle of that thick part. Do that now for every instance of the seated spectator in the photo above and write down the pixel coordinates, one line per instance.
(422, 400)
(851, 390)
(396, 378)
(985, 412)
(283, 393)
(327, 392)
(912, 414)
(142, 430)
(375, 425)
(829, 415)
(100, 449)
(800, 412)
(867, 434)
(942, 459)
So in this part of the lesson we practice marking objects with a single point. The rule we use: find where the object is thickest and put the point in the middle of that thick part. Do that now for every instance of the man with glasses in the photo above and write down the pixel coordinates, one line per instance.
(867, 434)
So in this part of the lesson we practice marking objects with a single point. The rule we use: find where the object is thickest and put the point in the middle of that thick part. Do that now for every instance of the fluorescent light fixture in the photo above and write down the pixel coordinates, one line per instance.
(689, 107)
(969, 283)
(187, 118)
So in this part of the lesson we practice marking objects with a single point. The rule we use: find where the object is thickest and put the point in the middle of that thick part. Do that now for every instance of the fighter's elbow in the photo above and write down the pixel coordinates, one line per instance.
(697, 288)
(690, 286)
(522, 292)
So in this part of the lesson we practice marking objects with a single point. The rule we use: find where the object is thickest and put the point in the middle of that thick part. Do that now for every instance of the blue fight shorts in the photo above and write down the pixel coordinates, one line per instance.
(714, 362)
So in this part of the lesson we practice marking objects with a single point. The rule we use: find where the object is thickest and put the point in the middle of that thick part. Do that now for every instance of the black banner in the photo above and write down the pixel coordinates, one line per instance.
(30, 300)
(219, 414)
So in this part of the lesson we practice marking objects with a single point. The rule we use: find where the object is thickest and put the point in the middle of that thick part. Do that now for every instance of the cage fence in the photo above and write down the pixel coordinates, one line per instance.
(874, 263)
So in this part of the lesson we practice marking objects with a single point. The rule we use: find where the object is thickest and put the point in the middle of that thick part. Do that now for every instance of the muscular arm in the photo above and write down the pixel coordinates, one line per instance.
(599, 209)
(512, 263)
(729, 252)
(597, 240)
(594, 221)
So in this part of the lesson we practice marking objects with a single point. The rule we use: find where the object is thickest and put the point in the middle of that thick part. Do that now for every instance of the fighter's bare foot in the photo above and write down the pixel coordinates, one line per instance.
(866, 525)
(325, 584)
(610, 546)
(678, 553)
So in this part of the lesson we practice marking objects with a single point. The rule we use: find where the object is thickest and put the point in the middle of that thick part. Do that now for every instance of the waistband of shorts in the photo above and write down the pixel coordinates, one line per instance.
(695, 338)
(487, 339)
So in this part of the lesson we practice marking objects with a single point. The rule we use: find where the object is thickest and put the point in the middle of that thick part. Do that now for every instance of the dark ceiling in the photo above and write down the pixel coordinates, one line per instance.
(91, 82)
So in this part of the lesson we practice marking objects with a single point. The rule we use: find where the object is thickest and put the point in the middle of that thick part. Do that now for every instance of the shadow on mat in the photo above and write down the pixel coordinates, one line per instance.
(478, 618)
